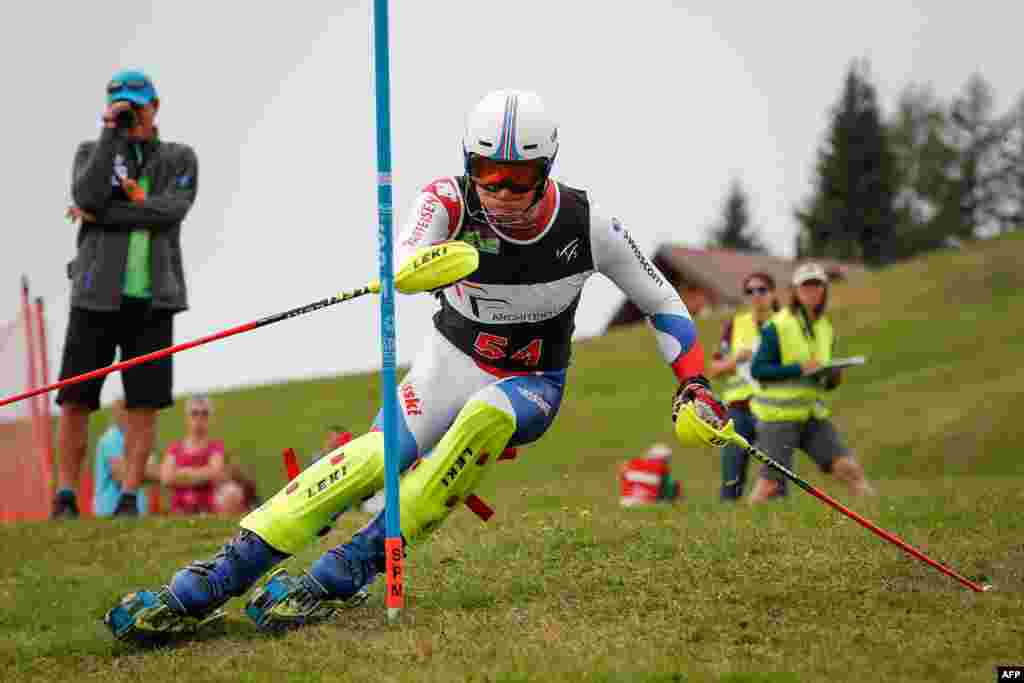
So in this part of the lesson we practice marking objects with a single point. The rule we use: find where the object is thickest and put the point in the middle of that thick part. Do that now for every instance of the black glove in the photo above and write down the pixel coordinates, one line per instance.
(687, 391)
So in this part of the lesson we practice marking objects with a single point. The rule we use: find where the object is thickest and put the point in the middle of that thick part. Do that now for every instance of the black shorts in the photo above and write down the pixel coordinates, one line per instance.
(136, 329)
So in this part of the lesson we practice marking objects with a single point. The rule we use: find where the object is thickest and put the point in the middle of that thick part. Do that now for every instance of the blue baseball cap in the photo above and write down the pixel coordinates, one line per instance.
(131, 85)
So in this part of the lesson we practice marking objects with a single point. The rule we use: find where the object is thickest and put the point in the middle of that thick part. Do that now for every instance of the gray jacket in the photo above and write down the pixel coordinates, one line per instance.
(97, 271)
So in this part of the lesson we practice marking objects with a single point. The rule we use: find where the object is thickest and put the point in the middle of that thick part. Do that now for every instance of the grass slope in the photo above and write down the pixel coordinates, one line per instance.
(564, 585)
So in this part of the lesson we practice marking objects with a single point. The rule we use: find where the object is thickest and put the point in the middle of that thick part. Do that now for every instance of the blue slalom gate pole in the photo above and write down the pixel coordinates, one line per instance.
(395, 600)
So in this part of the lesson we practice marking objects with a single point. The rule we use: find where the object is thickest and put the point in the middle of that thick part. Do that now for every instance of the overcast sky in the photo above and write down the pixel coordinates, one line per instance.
(660, 105)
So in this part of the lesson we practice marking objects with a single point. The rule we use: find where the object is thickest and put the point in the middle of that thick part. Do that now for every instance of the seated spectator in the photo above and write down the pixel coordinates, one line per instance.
(194, 467)
(236, 495)
(648, 479)
(108, 469)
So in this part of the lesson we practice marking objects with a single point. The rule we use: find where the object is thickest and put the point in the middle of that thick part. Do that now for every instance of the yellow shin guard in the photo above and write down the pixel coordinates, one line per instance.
(429, 492)
(309, 504)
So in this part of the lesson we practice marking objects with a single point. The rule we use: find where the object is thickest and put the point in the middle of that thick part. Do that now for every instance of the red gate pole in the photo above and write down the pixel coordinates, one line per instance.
(47, 418)
(37, 431)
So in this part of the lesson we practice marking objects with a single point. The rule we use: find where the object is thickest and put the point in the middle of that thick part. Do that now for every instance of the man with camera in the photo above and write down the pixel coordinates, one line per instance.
(131, 192)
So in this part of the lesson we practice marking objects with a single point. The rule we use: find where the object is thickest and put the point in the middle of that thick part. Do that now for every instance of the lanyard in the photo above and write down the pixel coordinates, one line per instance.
(143, 179)
(805, 323)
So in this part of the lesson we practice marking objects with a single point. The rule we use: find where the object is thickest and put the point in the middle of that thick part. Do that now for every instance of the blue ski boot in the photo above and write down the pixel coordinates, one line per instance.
(286, 602)
(340, 579)
(149, 618)
(195, 594)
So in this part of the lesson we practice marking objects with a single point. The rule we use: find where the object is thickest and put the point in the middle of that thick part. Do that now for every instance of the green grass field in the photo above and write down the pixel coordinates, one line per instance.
(563, 585)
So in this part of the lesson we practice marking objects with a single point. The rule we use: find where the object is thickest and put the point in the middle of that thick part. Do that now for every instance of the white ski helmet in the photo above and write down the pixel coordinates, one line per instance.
(511, 125)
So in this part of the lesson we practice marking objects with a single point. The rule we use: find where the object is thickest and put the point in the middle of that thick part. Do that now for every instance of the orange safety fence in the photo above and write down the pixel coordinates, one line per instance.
(27, 476)
(24, 477)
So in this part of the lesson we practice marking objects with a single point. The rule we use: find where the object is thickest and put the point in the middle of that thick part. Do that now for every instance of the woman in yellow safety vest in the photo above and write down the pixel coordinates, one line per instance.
(796, 346)
(731, 362)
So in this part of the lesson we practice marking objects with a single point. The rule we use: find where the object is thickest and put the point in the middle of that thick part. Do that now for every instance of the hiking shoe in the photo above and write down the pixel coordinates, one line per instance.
(147, 617)
(65, 506)
(285, 602)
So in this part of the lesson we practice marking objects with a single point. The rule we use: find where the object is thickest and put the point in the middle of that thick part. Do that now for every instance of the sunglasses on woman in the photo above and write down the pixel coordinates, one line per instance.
(759, 291)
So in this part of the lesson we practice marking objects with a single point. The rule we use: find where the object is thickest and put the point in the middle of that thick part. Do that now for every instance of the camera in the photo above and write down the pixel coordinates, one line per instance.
(127, 118)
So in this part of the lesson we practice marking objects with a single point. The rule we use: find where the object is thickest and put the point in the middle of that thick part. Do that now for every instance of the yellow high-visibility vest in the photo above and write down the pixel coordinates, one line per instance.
(739, 386)
(799, 399)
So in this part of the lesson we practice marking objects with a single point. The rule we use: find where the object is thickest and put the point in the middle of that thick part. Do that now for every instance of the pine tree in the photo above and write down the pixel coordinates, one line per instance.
(734, 230)
(984, 178)
(851, 213)
(1013, 157)
(926, 204)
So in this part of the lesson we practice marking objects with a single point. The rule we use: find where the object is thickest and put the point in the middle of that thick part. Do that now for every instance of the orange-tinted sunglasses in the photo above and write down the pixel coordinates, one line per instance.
(518, 177)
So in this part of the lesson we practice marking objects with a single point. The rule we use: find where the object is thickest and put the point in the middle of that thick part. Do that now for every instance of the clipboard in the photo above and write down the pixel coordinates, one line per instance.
(839, 364)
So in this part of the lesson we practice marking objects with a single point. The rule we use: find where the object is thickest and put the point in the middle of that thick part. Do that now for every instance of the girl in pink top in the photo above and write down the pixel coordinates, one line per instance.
(194, 466)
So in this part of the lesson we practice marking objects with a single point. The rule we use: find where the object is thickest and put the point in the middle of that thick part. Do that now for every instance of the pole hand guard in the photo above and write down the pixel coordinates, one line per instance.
(436, 266)
(700, 418)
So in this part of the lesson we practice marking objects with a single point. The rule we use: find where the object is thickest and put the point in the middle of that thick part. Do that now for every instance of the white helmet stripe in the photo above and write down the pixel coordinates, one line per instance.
(507, 145)
(499, 150)
(511, 153)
